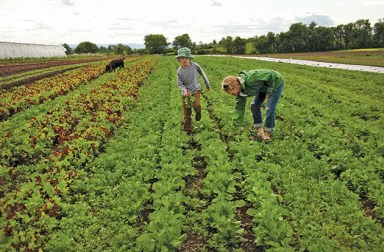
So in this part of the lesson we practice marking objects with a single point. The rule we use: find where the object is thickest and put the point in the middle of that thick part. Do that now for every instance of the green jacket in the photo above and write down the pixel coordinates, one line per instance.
(252, 83)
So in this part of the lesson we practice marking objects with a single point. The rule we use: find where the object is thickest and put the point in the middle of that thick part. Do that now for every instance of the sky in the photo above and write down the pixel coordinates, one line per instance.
(128, 22)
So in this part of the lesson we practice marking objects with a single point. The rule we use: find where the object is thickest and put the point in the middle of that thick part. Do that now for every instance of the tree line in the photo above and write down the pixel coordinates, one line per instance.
(89, 47)
(299, 38)
(313, 38)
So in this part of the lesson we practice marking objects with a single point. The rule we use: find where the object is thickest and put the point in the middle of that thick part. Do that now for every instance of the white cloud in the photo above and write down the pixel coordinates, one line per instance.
(320, 20)
(374, 3)
(122, 21)
(215, 3)
(68, 3)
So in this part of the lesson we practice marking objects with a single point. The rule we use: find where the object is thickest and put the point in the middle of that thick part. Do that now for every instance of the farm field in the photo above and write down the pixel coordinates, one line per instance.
(99, 162)
(367, 57)
(17, 72)
(13, 66)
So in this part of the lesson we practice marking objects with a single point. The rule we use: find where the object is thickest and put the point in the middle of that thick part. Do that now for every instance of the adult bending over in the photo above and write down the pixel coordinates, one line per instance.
(262, 84)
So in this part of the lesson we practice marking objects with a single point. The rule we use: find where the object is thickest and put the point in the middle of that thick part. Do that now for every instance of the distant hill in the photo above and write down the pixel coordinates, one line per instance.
(136, 46)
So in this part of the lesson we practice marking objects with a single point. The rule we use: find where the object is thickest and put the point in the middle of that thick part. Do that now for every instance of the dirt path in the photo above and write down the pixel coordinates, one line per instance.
(320, 64)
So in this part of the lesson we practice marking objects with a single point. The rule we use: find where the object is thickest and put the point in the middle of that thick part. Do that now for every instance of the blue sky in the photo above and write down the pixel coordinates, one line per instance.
(125, 21)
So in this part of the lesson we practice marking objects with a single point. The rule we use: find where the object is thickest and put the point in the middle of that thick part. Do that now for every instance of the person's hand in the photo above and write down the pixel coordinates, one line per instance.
(188, 93)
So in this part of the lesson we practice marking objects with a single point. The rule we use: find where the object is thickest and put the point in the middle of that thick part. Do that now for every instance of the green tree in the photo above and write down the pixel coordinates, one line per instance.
(203, 48)
(103, 49)
(111, 48)
(182, 41)
(297, 37)
(227, 43)
(271, 42)
(378, 33)
(362, 34)
(155, 43)
(283, 45)
(121, 49)
(68, 49)
(325, 39)
(348, 35)
(261, 44)
(313, 39)
(239, 45)
(339, 37)
(86, 47)
(215, 46)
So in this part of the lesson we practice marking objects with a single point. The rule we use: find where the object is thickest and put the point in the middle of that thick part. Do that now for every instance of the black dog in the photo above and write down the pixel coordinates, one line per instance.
(114, 64)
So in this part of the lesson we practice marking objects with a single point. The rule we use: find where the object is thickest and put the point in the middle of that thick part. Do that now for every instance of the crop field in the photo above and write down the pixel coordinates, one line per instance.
(95, 161)
(367, 57)
(17, 72)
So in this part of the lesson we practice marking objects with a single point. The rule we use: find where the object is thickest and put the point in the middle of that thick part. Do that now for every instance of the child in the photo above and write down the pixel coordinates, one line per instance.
(262, 84)
(187, 80)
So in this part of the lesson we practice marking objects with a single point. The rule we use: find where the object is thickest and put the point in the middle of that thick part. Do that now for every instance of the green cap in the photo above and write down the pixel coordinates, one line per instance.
(184, 52)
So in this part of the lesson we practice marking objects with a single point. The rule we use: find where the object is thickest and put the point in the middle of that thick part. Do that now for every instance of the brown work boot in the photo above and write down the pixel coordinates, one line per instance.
(198, 116)
(188, 124)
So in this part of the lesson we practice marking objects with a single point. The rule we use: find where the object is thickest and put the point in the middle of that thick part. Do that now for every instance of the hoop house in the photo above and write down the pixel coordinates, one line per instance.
(15, 48)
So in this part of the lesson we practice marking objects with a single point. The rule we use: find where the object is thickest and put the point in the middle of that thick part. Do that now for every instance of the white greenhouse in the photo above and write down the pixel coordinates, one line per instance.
(21, 48)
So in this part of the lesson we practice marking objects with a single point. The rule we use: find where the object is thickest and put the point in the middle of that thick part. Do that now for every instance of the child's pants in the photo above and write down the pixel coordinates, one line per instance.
(187, 109)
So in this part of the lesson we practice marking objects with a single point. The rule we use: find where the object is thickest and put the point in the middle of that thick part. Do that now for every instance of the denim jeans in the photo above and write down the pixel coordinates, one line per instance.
(271, 107)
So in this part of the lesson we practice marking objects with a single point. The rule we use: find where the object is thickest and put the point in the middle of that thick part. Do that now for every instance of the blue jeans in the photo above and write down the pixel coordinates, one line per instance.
(271, 107)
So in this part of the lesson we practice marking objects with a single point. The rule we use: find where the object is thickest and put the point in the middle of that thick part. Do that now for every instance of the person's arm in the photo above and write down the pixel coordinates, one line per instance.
(270, 90)
(240, 109)
(204, 76)
(269, 84)
(181, 85)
